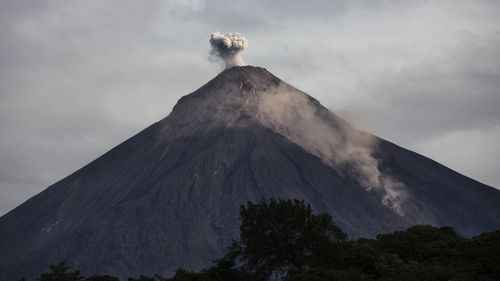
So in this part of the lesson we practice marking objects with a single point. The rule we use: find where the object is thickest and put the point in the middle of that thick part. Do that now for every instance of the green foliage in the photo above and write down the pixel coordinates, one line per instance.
(392, 267)
(60, 272)
(284, 236)
(479, 257)
(285, 240)
(223, 270)
(422, 243)
(321, 274)
(362, 255)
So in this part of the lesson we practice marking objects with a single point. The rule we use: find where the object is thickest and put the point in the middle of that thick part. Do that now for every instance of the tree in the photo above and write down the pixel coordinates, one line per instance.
(392, 268)
(284, 237)
(60, 272)
(479, 257)
(422, 243)
(321, 274)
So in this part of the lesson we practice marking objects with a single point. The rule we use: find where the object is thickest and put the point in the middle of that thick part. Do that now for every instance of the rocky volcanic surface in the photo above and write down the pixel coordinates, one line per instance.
(169, 196)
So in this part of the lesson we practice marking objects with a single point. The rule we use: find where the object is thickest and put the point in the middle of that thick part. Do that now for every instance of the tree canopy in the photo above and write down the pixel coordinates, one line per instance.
(60, 272)
(286, 240)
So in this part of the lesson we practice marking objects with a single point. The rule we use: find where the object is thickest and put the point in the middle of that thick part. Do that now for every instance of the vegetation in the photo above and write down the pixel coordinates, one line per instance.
(60, 272)
(285, 240)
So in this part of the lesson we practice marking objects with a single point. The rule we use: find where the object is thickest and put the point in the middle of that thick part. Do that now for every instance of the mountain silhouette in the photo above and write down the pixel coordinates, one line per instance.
(169, 196)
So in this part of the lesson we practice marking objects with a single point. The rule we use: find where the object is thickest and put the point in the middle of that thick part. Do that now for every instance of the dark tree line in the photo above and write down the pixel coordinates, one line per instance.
(285, 240)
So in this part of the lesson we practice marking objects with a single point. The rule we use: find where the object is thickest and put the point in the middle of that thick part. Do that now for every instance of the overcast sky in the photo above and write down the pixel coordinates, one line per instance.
(79, 77)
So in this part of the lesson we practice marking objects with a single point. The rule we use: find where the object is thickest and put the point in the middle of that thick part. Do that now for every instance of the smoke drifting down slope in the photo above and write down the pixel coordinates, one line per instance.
(342, 147)
(302, 120)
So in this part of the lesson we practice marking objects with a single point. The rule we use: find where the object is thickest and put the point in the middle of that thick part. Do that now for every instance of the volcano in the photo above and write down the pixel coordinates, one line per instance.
(169, 196)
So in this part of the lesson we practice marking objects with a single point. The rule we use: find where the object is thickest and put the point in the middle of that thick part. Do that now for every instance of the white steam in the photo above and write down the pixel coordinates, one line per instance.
(228, 47)
(342, 147)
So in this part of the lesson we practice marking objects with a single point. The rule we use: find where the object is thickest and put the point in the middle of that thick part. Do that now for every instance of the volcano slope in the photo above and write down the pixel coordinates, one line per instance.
(169, 196)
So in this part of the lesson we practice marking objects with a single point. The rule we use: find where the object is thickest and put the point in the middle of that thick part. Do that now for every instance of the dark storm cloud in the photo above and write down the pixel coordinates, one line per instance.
(78, 77)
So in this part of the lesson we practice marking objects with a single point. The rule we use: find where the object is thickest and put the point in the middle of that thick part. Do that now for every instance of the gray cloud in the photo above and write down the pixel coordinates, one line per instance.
(78, 77)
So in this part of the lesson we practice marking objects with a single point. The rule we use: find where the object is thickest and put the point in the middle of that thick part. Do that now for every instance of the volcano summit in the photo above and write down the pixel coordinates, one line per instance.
(169, 196)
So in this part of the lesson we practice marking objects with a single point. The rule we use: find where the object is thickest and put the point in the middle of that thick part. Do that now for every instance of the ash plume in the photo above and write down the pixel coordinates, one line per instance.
(228, 48)
(340, 146)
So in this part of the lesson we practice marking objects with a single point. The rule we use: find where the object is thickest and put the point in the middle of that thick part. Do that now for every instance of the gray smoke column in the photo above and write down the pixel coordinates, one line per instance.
(228, 47)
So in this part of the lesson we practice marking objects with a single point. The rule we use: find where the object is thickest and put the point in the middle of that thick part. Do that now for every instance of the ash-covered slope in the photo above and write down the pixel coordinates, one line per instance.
(169, 196)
